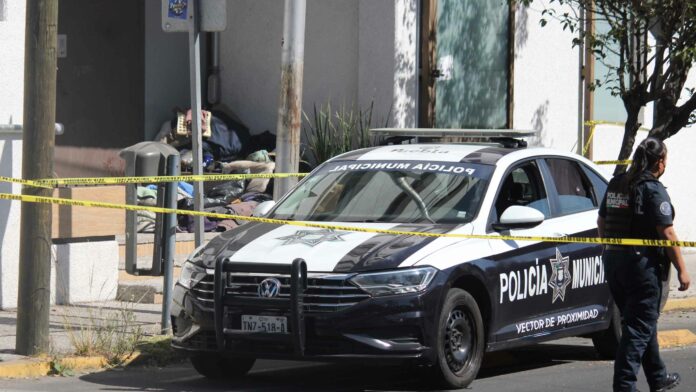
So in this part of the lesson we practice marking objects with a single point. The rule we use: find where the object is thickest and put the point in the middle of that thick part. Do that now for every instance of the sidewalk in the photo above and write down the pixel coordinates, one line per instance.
(76, 323)
(690, 261)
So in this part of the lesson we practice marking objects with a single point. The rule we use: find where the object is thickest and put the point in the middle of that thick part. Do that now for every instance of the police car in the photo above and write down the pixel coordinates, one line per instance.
(284, 291)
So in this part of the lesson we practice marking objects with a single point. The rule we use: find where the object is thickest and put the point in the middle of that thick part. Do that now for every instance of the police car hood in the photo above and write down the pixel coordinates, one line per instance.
(326, 250)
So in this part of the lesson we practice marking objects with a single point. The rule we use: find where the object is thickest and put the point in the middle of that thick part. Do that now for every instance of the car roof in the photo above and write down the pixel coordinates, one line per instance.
(467, 153)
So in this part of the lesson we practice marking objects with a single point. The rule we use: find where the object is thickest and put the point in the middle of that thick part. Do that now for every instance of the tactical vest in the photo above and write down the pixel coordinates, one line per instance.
(621, 207)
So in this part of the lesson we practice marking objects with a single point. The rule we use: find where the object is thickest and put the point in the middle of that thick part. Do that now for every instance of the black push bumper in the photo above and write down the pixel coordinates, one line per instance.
(293, 306)
(392, 328)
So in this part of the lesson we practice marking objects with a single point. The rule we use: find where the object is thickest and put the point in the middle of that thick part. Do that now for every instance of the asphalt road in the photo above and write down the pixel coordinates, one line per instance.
(568, 365)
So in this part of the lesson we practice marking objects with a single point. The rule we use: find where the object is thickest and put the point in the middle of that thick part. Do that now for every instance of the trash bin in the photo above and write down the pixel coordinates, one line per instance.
(148, 159)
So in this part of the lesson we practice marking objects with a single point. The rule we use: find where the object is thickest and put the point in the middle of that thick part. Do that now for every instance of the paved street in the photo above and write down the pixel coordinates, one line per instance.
(548, 367)
(569, 365)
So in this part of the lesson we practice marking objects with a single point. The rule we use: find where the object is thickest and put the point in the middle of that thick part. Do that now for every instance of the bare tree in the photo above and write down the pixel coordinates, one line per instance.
(655, 42)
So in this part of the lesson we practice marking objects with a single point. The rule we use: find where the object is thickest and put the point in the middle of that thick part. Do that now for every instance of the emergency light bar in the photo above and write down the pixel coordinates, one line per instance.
(446, 132)
(508, 138)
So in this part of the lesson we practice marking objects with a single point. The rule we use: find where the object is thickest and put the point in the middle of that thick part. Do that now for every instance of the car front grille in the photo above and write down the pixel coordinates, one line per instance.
(325, 292)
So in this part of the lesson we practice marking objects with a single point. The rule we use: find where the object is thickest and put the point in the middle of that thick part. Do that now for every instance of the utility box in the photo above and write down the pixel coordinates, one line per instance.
(152, 159)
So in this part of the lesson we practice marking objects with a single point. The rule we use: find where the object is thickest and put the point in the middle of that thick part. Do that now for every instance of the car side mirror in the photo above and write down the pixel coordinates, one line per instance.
(519, 217)
(263, 209)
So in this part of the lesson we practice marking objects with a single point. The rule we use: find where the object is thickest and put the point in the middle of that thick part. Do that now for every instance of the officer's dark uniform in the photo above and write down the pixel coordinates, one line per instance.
(633, 274)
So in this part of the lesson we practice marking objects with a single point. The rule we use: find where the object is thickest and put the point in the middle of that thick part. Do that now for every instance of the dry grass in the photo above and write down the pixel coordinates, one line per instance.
(113, 334)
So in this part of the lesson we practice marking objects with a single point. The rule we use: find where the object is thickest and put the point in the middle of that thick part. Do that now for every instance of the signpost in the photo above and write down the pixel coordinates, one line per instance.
(194, 17)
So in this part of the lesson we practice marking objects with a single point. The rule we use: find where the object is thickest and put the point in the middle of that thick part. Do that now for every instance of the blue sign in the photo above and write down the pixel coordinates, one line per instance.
(178, 9)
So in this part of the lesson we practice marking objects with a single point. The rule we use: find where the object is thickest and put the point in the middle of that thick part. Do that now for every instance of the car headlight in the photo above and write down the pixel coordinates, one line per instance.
(395, 282)
(191, 274)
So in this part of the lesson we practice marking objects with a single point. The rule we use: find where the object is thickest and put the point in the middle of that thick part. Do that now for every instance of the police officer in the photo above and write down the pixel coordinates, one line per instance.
(637, 205)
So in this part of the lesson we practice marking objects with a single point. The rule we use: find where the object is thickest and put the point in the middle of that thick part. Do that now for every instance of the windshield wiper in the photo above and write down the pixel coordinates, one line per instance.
(400, 181)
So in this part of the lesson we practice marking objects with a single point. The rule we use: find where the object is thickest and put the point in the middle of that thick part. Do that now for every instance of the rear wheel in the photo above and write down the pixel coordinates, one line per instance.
(607, 342)
(216, 366)
(460, 340)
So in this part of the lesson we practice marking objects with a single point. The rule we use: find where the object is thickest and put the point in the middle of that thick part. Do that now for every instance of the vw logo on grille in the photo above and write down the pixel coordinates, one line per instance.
(269, 288)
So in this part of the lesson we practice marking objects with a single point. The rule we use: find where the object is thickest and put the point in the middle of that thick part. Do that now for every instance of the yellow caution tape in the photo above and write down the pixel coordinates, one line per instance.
(593, 126)
(626, 162)
(573, 240)
(57, 182)
(37, 184)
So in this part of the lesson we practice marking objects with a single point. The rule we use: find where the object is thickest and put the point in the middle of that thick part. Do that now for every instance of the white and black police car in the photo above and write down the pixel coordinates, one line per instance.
(281, 291)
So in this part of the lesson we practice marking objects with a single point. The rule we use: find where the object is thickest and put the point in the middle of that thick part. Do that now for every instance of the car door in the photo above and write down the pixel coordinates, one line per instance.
(531, 277)
(577, 192)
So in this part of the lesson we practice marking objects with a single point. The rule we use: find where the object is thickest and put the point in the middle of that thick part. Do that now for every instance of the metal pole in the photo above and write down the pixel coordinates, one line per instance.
(195, 74)
(37, 162)
(168, 242)
(290, 106)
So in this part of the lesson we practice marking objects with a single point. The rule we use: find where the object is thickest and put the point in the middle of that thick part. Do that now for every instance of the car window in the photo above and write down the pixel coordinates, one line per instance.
(574, 189)
(523, 187)
(598, 183)
(398, 192)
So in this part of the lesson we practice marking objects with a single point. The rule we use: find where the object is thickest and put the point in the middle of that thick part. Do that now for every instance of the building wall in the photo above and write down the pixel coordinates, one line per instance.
(376, 61)
(12, 62)
(166, 71)
(10, 166)
(100, 82)
(545, 80)
(353, 50)
(251, 54)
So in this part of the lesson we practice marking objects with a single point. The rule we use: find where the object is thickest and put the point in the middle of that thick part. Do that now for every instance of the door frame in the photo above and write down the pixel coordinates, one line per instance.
(428, 62)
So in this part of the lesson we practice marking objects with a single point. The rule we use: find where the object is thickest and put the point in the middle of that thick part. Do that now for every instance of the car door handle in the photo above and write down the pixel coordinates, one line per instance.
(557, 234)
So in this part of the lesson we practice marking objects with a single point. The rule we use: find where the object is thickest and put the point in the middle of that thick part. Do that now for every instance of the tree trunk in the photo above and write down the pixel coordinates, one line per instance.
(629, 139)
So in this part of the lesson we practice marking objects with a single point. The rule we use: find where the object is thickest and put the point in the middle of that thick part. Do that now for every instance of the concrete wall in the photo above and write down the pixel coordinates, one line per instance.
(376, 62)
(353, 50)
(250, 57)
(100, 82)
(12, 62)
(166, 71)
(86, 271)
(10, 166)
(545, 80)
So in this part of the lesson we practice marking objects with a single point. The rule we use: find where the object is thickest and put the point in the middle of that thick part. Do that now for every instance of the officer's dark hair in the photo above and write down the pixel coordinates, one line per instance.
(646, 157)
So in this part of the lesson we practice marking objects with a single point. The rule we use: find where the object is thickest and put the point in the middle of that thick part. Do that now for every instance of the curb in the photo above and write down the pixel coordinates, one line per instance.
(25, 368)
(676, 338)
(43, 366)
(679, 304)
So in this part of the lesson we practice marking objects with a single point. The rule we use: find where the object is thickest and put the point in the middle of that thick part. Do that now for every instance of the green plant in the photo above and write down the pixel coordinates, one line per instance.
(57, 368)
(329, 134)
(157, 351)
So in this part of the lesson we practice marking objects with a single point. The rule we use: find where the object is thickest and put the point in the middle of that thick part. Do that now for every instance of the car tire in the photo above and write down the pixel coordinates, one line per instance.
(607, 342)
(215, 366)
(460, 340)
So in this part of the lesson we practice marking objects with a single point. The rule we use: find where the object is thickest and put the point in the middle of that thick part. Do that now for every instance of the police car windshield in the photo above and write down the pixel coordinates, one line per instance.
(395, 192)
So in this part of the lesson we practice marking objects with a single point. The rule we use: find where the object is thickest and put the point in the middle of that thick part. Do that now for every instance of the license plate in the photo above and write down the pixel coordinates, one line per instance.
(264, 324)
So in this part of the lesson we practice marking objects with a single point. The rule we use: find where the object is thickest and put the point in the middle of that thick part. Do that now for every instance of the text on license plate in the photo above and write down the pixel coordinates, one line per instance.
(266, 324)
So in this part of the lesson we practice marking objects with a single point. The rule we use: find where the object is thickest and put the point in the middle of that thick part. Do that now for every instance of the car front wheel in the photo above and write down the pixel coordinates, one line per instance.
(215, 366)
(460, 340)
